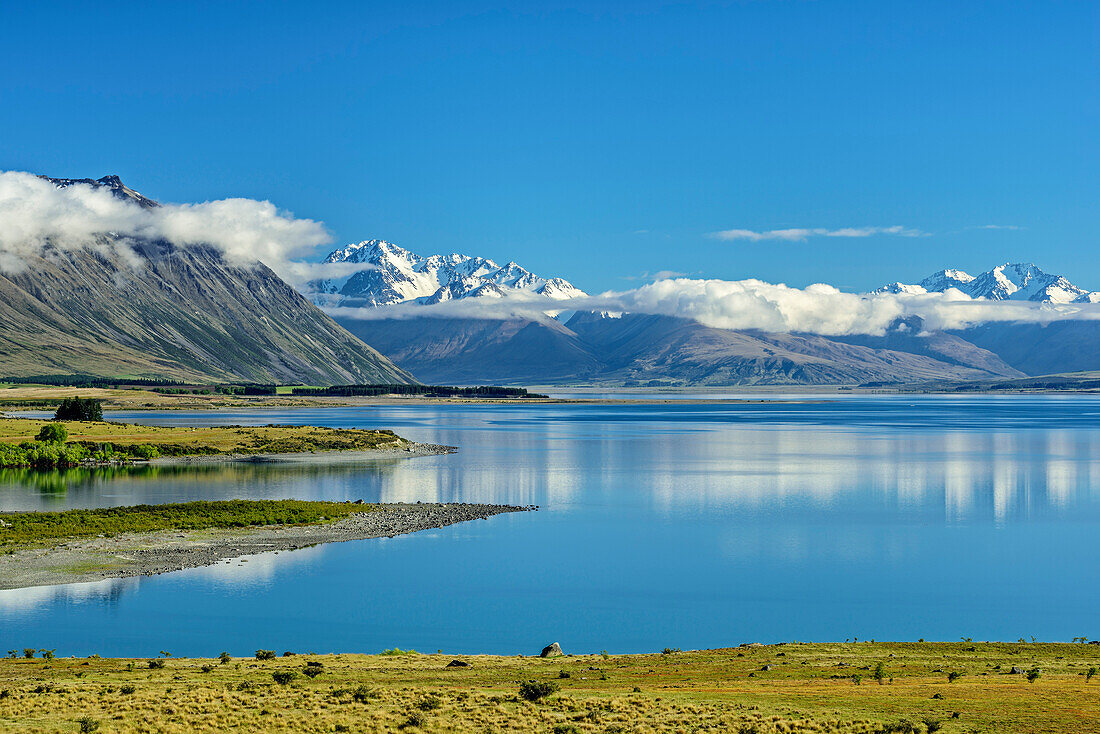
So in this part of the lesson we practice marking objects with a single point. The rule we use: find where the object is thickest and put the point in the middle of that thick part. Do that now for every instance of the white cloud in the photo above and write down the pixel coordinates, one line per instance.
(34, 214)
(752, 304)
(801, 234)
(996, 226)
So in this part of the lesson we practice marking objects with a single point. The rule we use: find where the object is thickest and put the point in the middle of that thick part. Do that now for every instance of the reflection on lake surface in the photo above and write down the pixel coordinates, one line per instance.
(661, 525)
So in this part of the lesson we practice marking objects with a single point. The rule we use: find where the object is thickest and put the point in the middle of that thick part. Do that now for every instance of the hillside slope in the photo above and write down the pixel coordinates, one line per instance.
(177, 312)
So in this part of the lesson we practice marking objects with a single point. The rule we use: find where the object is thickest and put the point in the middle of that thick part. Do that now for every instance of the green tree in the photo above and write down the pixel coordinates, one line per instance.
(79, 409)
(52, 433)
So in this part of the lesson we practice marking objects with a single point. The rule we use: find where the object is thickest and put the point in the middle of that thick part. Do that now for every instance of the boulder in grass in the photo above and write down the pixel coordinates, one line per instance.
(1016, 671)
(551, 650)
(458, 664)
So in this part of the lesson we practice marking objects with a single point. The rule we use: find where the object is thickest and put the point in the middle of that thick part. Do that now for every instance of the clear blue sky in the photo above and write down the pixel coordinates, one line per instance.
(596, 141)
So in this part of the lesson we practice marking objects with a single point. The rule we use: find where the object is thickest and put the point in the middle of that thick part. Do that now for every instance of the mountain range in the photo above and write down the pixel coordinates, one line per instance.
(149, 308)
(396, 275)
(142, 306)
(639, 349)
(1011, 281)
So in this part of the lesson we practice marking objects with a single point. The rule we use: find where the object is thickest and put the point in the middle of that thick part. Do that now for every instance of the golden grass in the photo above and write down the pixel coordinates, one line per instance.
(809, 690)
(210, 439)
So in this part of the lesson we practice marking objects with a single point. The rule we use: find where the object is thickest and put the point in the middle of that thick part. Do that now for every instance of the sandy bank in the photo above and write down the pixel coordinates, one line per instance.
(147, 554)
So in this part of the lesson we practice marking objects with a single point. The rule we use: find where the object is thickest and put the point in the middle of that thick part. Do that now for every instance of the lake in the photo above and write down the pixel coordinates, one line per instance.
(687, 525)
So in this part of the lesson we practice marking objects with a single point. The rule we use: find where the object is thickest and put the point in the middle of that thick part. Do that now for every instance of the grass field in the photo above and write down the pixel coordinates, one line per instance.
(33, 527)
(807, 688)
(183, 440)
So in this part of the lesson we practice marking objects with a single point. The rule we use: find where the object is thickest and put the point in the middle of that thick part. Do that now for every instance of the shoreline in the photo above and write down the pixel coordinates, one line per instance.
(79, 560)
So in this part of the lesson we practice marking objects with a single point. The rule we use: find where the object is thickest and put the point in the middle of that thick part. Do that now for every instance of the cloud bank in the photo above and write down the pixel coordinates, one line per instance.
(803, 234)
(35, 214)
(751, 304)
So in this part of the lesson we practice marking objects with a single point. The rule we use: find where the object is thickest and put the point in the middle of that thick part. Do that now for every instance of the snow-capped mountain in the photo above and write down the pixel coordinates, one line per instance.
(1011, 281)
(399, 275)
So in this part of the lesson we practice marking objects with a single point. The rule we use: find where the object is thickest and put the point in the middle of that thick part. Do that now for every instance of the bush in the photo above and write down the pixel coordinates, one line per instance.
(126, 690)
(224, 657)
(283, 677)
(537, 690)
(265, 654)
(79, 409)
(1033, 675)
(953, 676)
(416, 718)
(87, 724)
(156, 664)
(932, 725)
(1089, 673)
(362, 694)
(880, 672)
(313, 669)
(52, 433)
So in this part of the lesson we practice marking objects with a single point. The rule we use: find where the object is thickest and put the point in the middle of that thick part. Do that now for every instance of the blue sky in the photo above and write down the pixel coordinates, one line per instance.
(596, 141)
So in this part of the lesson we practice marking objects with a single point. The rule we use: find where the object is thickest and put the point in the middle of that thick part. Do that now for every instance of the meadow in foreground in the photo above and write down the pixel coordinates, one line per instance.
(795, 687)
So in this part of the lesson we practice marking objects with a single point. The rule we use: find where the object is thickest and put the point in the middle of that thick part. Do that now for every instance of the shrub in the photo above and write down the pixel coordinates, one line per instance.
(429, 703)
(28, 652)
(52, 433)
(564, 674)
(283, 677)
(313, 669)
(156, 664)
(537, 690)
(224, 657)
(416, 718)
(362, 694)
(880, 672)
(265, 654)
(953, 676)
(87, 724)
(207, 668)
(1089, 673)
(126, 690)
(932, 725)
(1033, 675)
(47, 654)
(670, 650)
(79, 409)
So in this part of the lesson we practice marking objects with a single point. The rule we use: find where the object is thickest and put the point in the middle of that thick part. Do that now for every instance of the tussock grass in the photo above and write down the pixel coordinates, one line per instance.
(807, 691)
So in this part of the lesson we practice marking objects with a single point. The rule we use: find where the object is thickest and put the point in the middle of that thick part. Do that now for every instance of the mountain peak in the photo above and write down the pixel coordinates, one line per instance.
(110, 182)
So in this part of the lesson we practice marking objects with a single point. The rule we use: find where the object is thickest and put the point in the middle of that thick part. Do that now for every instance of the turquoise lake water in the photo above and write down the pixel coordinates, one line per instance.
(690, 526)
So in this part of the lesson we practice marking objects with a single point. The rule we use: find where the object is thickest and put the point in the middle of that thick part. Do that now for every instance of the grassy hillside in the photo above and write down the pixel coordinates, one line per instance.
(779, 688)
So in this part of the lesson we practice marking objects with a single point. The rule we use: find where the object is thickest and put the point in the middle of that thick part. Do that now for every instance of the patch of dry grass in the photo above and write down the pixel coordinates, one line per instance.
(809, 689)
(184, 440)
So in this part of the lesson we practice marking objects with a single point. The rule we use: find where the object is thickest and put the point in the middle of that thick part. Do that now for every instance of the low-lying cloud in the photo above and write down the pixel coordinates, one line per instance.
(750, 304)
(801, 234)
(36, 214)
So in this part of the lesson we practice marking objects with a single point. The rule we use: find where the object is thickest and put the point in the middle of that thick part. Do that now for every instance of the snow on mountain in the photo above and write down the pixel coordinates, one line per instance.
(398, 275)
(1011, 281)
